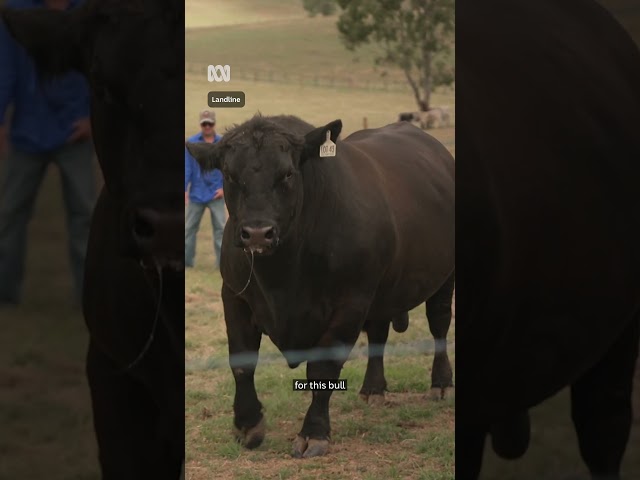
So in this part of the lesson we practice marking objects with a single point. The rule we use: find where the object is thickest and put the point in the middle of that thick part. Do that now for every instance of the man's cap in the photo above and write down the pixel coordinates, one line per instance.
(207, 116)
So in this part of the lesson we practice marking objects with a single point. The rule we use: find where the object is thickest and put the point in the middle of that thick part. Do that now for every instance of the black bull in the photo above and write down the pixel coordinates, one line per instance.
(131, 53)
(548, 225)
(317, 250)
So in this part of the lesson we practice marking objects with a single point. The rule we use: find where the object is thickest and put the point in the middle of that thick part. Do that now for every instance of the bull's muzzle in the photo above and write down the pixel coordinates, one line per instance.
(158, 237)
(258, 239)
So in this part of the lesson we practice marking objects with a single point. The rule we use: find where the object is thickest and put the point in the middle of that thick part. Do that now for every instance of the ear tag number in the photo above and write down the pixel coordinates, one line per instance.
(328, 148)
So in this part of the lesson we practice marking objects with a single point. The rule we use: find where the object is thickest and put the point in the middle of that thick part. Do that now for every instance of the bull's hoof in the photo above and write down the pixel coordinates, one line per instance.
(251, 437)
(299, 446)
(437, 393)
(312, 447)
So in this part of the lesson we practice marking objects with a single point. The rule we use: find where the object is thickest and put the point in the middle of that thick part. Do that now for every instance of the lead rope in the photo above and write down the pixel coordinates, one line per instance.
(147, 345)
(250, 274)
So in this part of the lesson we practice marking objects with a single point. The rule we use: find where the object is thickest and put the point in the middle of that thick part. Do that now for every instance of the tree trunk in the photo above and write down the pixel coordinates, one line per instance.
(422, 105)
(428, 80)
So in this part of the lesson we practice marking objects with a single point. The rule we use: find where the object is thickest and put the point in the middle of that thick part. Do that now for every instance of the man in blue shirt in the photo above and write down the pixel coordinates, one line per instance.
(205, 192)
(50, 124)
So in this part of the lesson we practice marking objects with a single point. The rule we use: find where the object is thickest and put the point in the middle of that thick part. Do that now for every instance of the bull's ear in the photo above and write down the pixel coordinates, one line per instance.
(53, 39)
(317, 137)
(206, 154)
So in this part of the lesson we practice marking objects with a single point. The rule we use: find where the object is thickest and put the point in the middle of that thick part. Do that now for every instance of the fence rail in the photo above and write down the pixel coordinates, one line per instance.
(307, 79)
(408, 349)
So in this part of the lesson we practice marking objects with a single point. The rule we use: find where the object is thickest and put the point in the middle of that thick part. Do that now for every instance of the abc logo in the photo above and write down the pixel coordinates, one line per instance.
(219, 73)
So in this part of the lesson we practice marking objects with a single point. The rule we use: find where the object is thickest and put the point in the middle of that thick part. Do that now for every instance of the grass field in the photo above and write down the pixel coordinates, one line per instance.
(205, 13)
(46, 427)
(276, 35)
(316, 105)
(411, 437)
(303, 46)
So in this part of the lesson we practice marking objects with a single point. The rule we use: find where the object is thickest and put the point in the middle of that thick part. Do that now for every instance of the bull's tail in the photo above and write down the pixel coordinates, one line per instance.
(400, 322)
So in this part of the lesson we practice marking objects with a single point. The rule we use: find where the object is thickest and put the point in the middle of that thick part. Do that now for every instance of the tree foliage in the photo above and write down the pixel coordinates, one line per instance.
(319, 7)
(415, 35)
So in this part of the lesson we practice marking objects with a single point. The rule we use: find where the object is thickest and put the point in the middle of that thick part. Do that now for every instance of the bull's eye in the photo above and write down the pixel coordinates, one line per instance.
(289, 175)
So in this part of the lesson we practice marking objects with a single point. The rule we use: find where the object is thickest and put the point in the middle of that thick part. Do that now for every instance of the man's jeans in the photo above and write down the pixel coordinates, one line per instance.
(23, 175)
(192, 224)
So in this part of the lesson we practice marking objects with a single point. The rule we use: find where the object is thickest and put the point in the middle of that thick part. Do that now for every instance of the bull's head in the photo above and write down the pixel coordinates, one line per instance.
(261, 162)
(131, 54)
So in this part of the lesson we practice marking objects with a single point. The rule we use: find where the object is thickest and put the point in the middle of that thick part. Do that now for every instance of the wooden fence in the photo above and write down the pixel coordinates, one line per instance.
(306, 79)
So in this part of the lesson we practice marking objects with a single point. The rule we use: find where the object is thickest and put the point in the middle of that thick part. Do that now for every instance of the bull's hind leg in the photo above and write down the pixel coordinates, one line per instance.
(375, 384)
(601, 406)
(439, 316)
(244, 343)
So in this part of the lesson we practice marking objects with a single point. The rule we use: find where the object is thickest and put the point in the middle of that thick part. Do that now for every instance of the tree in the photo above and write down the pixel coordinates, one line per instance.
(323, 7)
(415, 35)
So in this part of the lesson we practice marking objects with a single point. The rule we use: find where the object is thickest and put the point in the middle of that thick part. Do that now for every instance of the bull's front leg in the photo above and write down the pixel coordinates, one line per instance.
(244, 344)
(313, 439)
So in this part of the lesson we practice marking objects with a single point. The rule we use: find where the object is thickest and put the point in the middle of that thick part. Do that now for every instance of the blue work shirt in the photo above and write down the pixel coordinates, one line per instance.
(44, 111)
(203, 185)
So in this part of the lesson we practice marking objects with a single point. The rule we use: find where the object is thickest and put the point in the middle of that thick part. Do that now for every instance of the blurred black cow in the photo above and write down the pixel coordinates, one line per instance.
(548, 225)
(407, 117)
(131, 53)
(318, 249)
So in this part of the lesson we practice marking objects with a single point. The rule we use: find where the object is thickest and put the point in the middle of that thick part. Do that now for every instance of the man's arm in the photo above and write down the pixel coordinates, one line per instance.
(82, 126)
(187, 172)
(218, 177)
(218, 185)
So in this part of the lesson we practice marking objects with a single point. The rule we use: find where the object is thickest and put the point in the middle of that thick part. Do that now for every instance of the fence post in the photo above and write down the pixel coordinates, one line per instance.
(365, 123)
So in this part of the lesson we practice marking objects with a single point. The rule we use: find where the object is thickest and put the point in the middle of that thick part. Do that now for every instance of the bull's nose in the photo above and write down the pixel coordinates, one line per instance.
(257, 237)
(158, 234)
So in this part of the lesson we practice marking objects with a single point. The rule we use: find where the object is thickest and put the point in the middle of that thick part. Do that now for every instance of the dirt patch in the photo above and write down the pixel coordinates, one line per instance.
(353, 453)
(353, 459)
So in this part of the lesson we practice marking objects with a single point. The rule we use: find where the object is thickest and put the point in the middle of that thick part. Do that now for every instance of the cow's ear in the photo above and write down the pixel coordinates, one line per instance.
(315, 138)
(207, 155)
(53, 39)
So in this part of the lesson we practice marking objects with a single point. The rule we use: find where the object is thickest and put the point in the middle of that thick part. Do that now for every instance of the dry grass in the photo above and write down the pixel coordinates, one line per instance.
(204, 13)
(412, 437)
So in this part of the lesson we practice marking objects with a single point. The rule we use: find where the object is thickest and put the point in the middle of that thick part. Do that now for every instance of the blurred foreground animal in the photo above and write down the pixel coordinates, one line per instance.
(548, 226)
(134, 272)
